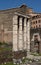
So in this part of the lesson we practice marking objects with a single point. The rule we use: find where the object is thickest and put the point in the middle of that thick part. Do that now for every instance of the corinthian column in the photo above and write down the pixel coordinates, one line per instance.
(15, 20)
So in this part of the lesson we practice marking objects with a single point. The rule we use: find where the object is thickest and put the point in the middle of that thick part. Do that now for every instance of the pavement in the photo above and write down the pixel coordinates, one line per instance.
(35, 63)
(34, 57)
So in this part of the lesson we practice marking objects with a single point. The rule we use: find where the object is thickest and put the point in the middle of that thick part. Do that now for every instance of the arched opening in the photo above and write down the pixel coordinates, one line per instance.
(36, 43)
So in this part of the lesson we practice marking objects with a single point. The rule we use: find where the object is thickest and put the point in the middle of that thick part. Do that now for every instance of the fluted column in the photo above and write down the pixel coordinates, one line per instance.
(15, 21)
(25, 20)
(20, 34)
(28, 37)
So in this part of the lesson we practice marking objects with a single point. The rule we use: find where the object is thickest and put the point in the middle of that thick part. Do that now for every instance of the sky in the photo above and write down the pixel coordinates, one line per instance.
(34, 4)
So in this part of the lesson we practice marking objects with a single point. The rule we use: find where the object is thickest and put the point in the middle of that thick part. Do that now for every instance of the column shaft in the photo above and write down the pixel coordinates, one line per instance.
(28, 36)
(25, 20)
(20, 34)
(15, 32)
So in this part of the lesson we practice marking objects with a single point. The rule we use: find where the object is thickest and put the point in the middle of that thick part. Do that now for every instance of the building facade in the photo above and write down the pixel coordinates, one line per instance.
(36, 33)
(12, 31)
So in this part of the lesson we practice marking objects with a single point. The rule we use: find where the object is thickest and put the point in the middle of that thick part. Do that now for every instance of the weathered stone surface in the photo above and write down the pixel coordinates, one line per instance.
(6, 23)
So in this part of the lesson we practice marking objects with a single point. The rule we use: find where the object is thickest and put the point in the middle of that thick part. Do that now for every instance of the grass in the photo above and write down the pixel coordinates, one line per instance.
(26, 59)
(8, 63)
(4, 47)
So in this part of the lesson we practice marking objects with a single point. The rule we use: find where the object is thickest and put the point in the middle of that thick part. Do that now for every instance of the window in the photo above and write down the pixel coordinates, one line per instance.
(39, 26)
(36, 21)
(36, 26)
(39, 21)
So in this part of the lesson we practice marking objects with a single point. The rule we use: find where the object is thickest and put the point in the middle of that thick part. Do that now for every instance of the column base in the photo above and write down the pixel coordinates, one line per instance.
(29, 56)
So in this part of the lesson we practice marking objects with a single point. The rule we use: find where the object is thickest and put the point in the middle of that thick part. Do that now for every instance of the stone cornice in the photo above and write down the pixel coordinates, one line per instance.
(21, 15)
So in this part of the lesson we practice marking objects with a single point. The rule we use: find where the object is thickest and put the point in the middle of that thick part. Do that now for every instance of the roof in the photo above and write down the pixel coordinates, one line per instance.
(6, 15)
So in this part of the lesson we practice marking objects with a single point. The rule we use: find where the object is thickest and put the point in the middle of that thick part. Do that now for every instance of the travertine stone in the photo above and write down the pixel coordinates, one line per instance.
(8, 24)
(20, 28)
(25, 20)
(20, 44)
(28, 36)
(20, 34)
(15, 19)
(15, 27)
(15, 43)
